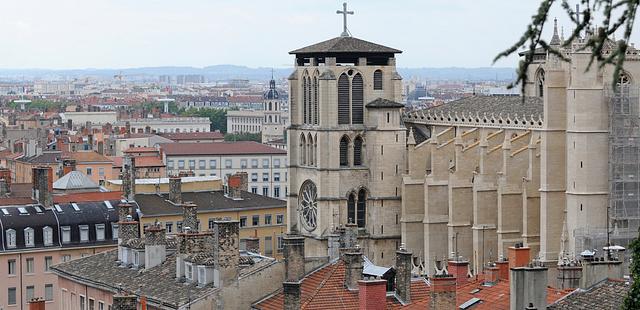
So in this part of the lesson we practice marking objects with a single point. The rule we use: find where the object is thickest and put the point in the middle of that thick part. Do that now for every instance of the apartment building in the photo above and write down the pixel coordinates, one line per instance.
(264, 165)
(163, 125)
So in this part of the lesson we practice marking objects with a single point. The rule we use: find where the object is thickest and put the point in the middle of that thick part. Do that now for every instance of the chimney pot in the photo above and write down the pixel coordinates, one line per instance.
(291, 295)
(459, 269)
(155, 244)
(528, 285)
(403, 275)
(293, 257)
(372, 294)
(353, 265)
(175, 190)
(519, 256)
(443, 292)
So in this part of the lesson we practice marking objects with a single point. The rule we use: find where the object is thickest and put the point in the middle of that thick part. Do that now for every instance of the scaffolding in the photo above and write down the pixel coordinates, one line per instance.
(624, 165)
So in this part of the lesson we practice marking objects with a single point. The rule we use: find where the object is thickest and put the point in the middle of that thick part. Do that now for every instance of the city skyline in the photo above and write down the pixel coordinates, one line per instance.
(71, 34)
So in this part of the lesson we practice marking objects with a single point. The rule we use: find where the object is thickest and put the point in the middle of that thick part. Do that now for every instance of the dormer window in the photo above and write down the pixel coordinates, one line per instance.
(29, 240)
(66, 234)
(201, 276)
(84, 233)
(11, 238)
(188, 271)
(47, 235)
(114, 231)
(100, 232)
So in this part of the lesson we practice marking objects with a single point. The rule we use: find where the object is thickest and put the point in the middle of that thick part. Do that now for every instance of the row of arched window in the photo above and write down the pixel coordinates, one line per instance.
(357, 207)
(308, 148)
(354, 149)
(310, 98)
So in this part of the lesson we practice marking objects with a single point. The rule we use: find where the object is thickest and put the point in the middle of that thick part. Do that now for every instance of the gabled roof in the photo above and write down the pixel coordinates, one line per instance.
(180, 136)
(381, 103)
(88, 156)
(345, 45)
(607, 294)
(74, 180)
(220, 148)
(495, 105)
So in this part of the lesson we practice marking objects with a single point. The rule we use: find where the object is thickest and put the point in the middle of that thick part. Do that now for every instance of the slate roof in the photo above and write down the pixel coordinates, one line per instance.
(158, 283)
(607, 294)
(210, 201)
(384, 104)
(74, 180)
(220, 148)
(493, 105)
(44, 158)
(345, 45)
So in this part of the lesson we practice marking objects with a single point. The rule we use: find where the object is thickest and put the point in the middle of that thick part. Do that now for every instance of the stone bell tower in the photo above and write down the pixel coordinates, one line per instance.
(346, 145)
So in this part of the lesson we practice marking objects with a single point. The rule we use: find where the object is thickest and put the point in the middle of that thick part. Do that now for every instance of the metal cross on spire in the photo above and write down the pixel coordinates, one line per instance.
(344, 12)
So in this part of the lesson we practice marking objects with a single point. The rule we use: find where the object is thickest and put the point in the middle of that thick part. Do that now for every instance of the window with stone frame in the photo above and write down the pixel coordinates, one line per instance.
(377, 80)
(29, 237)
(357, 99)
(357, 151)
(343, 100)
(11, 238)
(344, 151)
(279, 219)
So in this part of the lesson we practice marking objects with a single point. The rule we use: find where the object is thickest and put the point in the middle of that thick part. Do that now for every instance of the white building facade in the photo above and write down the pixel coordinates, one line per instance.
(265, 166)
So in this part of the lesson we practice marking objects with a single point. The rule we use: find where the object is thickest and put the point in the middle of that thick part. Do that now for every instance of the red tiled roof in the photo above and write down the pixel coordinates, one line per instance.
(91, 196)
(220, 148)
(141, 161)
(91, 156)
(141, 149)
(186, 136)
(324, 289)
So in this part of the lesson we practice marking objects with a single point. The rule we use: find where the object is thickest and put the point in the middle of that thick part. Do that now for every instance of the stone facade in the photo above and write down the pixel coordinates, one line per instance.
(331, 97)
(226, 250)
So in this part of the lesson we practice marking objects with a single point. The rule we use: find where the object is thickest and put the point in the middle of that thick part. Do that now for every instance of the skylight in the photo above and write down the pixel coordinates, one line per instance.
(38, 209)
(108, 204)
(57, 208)
(23, 210)
(75, 206)
(467, 304)
(5, 212)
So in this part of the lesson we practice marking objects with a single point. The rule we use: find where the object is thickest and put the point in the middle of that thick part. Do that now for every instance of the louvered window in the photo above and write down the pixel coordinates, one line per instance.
(305, 100)
(303, 150)
(362, 208)
(357, 151)
(357, 104)
(343, 100)
(315, 100)
(344, 152)
(351, 209)
(377, 80)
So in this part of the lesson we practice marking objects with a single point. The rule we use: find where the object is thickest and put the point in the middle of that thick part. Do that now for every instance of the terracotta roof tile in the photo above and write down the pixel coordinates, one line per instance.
(220, 148)
(92, 196)
(90, 156)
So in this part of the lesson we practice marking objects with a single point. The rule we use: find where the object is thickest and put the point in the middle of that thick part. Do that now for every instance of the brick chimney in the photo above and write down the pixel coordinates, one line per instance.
(443, 292)
(294, 270)
(528, 285)
(403, 275)
(127, 229)
(293, 257)
(190, 217)
(503, 269)
(459, 269)
(252, 244)
(292, 293)
(372, 294)
(155, 246)
(519, 256)
(42, 180)
(124, 302)
(68, 165)
(128, 177)
(175, 190)
(36, 304)
(238, 183)
(226, 252)
(353, 265)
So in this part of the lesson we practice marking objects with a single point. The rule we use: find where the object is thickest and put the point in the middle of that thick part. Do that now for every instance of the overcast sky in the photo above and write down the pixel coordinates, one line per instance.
(62, 34)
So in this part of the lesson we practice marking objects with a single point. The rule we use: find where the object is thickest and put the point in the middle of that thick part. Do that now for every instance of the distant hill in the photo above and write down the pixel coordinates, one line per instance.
(225, 72)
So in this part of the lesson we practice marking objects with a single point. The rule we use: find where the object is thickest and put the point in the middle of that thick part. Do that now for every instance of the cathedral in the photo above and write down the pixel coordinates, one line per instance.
(347, 145)
(555, 170)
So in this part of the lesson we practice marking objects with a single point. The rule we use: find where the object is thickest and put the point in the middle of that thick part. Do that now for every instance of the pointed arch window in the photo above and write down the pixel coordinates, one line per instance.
(540, 83)
(357, 151)
(303, 150)
(361, 211)
(305, 99)
(377, 80)
(344, 151)
(357, 102)
(310, 150)
(351, 208)
(315, 100)
(343, 99)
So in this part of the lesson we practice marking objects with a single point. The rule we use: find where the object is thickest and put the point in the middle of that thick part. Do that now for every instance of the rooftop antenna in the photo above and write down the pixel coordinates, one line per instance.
(344, 12)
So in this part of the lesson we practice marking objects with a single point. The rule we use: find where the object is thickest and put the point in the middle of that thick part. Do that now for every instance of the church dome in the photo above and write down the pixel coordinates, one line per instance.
(272, 93)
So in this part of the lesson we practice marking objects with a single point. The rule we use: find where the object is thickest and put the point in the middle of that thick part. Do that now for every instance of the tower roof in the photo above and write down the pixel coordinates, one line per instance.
(74, 180)
(345, 45)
